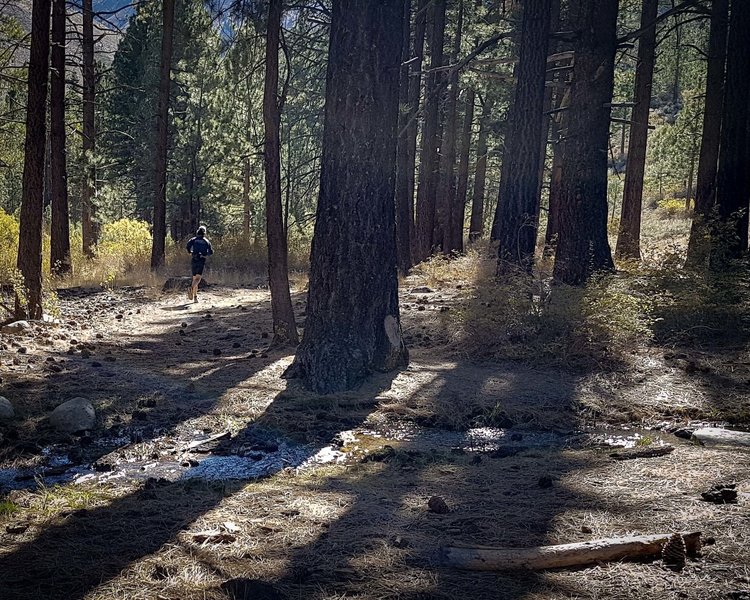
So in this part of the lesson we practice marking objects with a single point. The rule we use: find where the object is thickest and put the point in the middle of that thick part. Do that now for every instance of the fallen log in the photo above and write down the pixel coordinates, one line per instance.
(642, 452)
(715, 436)
(485, 558)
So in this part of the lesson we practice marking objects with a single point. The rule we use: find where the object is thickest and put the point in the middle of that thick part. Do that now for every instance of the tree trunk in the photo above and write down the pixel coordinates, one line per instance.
(629, 236)
(247, 207)
(446, 193)
(733, 175)
(284, 326)
(60, 226)
(353, 325)
(162, 118)
(30, 242)
(555, 181)
(462, 187)
(429, 169)
(583, 248)
(415, 91)
(476, 222)
(88, 189)
(705, 195)
(404, 198)
(518, 199)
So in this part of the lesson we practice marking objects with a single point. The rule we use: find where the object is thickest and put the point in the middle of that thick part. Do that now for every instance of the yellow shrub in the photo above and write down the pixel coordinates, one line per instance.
(672, 206)
(8, 244)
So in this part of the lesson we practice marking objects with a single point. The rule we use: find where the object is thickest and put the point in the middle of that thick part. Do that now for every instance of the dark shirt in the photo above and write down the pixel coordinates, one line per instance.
(199, 247)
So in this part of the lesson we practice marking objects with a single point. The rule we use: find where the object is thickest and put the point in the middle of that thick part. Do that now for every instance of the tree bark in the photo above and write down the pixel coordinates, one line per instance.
(162, 118)
(247, 207)
(89, 229)
(583, 248)
(353, 325)
(404, 191)
(476, 222)
(629, 235)
(429, 169)
(284, 326)
(733, 176)
(462, 187)
(30, 242)
(705, 195)
(60, 226)
(518, 199)
(446, 193)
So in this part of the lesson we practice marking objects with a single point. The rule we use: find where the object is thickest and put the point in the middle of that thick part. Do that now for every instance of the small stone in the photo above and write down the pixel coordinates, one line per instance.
(99, 336)
(438, 505)
(236, 345)
(264, 335)
(16, 528)
(74, 415)
(421, 307)
(422, 290)
(586, 529)
(182, 332)
(85, 353)
(183, 324)
(400, 542)
(6, 409)
(545, 482)
(23, 350)
(217, 351)
(119, 316)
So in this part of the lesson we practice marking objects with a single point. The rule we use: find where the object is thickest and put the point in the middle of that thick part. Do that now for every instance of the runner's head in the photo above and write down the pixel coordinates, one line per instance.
(201, 231)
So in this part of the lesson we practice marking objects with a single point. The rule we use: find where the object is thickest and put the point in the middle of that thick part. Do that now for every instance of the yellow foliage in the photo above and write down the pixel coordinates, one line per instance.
(672, 206)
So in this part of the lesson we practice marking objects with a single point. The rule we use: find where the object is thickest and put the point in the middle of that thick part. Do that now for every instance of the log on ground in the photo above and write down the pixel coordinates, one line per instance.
(716, 436)
(484, 558)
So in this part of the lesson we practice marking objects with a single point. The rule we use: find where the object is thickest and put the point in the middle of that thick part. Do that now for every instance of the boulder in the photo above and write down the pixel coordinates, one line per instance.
(6, 409)
(16, 328)
(74, 415)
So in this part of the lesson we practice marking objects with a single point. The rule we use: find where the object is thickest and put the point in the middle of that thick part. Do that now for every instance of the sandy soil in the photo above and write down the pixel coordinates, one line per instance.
(333, 498)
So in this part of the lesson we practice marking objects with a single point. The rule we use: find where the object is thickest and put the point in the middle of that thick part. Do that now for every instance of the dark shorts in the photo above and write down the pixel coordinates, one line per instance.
(196, 265)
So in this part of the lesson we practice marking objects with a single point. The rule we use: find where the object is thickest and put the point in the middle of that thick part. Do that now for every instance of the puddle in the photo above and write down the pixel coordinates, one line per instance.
(170, 457)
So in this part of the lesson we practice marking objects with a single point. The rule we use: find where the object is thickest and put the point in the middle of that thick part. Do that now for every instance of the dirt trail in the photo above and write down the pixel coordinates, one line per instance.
(340, 508)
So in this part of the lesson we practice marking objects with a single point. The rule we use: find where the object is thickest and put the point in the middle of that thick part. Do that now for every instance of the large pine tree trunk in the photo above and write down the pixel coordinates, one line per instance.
(462, 187)
(518, 200)
(476, 221)
(429, 169)
(284, 326)
(162, 122)
(353, 324)
(60, 226)
(446, 193)
(404, 218)
(583, 248)
(733, 175)
(698, 246)
(30, 242)
(629, 235)
(88, 188)
(415, 91)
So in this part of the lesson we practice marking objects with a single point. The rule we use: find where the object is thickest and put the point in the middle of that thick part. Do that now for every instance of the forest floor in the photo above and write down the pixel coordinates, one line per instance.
(208, 475)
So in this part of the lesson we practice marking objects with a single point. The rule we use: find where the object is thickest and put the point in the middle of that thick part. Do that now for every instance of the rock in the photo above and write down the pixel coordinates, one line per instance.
(16, 528)
(217, 352)
(438, 505)
(722, 493)
(421, 290)
(74, 415)
(85, 353)
(545, 482)
(684, 432)
(6, 409)
(16, 328)
(716, 436)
